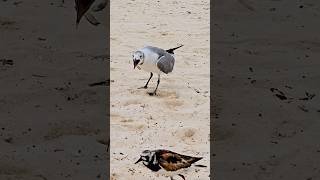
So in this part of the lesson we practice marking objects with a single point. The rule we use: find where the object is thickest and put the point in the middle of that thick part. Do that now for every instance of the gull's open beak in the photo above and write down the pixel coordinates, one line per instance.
(135, 63)
(138, 160)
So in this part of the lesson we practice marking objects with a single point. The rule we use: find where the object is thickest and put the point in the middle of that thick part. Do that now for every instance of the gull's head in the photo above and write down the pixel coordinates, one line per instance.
(138, 58)
(145, 157)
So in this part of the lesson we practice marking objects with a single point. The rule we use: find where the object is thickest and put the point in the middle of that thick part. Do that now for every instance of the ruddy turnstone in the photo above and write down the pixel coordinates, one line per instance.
(82, 7)
(154, 60)
(167, 160)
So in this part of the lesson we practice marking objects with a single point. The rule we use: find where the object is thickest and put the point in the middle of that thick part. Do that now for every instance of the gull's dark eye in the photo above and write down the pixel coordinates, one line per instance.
(140, 56)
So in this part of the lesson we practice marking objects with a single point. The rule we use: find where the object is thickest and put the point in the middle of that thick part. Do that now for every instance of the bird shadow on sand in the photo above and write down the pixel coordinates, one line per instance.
(169, 98)
(160, 93)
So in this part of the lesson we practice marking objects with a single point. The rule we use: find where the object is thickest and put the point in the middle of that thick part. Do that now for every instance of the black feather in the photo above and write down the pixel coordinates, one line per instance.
(172, 49)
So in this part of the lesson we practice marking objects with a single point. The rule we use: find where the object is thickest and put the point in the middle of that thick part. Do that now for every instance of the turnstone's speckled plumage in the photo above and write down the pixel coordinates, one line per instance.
(167, 160)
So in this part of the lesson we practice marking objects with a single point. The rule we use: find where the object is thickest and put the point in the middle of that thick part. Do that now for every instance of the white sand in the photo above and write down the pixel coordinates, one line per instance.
(178, 118)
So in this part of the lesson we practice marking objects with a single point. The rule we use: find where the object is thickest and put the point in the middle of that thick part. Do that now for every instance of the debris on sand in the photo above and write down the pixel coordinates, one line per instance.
(279, 94)
(6, 62)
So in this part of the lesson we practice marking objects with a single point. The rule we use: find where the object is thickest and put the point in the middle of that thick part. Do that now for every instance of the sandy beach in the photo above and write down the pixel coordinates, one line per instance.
(177, 118)
(266, 90)
(265, 101)
(52, 123)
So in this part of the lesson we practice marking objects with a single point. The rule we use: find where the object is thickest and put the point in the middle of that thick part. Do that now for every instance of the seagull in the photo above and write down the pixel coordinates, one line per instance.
(82, 6)
(154, 60)
(169, 161)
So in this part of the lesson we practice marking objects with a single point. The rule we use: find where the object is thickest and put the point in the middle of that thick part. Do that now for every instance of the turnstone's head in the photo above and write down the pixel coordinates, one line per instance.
(146, 157)
(138, 58)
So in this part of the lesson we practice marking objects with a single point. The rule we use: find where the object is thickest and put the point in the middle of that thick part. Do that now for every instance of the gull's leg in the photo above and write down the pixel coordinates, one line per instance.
(155, 91)
(146, 86)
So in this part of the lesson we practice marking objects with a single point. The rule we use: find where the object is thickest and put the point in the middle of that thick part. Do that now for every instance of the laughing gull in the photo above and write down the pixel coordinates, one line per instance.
(82, 7)
(154, 60)
(171, 162)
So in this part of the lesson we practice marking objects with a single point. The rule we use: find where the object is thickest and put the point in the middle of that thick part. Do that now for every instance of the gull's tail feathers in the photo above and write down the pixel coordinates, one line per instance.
(172, 49)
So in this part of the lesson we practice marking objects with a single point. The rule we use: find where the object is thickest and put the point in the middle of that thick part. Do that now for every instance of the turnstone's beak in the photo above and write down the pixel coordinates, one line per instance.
(138, 160)
(135, 63)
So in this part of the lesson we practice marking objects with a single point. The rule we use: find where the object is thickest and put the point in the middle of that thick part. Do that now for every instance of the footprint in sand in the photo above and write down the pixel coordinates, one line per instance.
(12, 170)
(173, 104)
(127, 123)
(74, 128)
(222, 134)
(114, 176)
(172, 100)
(134, 126)
(131, 102)
(186, 134)
(8, 24)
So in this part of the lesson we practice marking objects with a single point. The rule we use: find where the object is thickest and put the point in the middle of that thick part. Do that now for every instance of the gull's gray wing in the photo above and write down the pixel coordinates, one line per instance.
(156, 50)
(166, 63)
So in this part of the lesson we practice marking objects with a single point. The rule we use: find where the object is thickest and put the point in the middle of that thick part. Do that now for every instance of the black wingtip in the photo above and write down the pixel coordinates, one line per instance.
(172, 49)
(195, 159)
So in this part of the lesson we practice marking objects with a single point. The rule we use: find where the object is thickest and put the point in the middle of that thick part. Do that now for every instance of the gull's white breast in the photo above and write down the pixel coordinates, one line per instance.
(150, 61)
